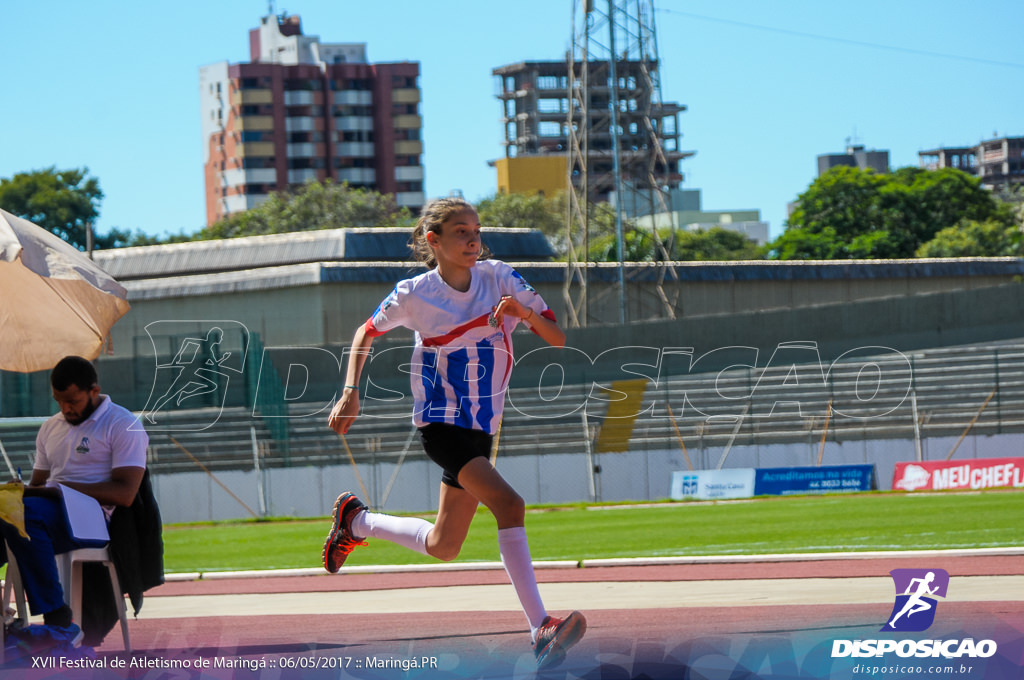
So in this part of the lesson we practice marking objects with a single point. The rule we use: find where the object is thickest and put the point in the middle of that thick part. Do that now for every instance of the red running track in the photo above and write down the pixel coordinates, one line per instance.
(745, 641)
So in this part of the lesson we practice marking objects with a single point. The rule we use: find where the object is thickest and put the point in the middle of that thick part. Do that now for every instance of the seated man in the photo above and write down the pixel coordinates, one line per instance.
(93, 446)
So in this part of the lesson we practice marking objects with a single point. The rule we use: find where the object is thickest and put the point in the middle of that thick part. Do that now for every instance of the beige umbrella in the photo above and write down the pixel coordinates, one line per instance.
(54, 301)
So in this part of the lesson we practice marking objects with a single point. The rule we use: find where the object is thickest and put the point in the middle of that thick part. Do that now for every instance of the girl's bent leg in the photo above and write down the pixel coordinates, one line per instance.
(486, 484)
(515, 555)
(408, 532)
(480, 478)
(454, 515)
(442, 540)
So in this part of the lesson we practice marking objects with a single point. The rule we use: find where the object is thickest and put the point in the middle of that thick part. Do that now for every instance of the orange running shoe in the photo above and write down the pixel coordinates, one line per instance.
(556, 636)
(340, 541)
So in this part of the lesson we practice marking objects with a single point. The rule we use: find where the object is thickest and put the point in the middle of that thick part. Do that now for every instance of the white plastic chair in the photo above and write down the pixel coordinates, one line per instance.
(69, 567)
(12, 585)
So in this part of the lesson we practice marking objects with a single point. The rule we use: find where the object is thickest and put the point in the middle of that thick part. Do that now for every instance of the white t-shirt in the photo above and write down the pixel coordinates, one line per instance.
(461, 364)
(110, 437)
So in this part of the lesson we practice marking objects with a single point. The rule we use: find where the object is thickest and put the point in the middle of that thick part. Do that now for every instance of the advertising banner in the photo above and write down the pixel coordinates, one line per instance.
(713, 484)
(981, 473)
(824, 479)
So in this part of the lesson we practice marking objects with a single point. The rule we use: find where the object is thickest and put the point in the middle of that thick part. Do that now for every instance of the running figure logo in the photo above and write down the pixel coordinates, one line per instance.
(914, 609)
(198, 363)
(198, 374)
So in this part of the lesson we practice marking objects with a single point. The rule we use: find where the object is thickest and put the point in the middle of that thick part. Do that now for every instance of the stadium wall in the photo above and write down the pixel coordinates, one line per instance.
(640, 476)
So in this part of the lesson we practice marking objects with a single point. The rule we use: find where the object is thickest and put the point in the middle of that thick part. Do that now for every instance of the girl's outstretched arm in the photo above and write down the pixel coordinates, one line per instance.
(347, 407)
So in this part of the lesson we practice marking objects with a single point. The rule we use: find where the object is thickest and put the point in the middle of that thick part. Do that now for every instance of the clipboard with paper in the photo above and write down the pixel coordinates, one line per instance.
(87, 522)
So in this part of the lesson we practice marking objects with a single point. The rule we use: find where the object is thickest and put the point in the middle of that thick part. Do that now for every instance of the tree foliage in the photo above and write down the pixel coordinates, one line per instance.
(60, 201)
(548, 214)
(640, 247)
(1012, 199)
(715, 244)
(859, 214)
(525, 211)
(314, 205)
(975, 239)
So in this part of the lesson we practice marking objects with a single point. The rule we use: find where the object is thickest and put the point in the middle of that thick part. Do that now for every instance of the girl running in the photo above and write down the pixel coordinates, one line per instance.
(463, 311)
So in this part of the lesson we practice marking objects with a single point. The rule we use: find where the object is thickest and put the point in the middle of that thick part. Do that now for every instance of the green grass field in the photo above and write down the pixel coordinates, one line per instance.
(860, 522)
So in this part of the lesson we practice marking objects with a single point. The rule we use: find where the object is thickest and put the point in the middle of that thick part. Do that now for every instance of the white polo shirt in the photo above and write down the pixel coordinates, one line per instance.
(109, 438)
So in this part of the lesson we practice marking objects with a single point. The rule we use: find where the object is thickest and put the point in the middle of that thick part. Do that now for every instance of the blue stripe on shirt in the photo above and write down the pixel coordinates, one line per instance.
(485, 384)
(433, 390)
(458, 365)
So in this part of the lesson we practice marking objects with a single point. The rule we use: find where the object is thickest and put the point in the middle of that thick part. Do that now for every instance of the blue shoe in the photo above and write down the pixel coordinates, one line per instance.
(71, 635)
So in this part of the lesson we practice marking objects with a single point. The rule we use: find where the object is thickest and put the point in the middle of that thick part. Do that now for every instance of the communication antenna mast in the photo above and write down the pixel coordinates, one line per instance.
(622, 142)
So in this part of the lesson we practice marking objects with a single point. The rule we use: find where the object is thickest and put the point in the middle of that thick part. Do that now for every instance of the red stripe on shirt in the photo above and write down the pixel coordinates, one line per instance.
(456, 332)
(372, 330)
(547, 314)
(508, 364)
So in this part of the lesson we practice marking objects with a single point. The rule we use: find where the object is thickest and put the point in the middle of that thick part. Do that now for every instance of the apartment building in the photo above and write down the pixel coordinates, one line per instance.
(303, 110)
(856, 156)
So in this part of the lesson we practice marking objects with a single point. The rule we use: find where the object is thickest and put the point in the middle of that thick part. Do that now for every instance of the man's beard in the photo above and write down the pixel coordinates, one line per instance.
(90, 408)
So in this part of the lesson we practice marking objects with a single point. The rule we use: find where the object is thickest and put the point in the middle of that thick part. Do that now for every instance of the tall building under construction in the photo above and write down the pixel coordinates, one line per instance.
(595, 127)
(536, 102)
(303, 110)
(997, 162)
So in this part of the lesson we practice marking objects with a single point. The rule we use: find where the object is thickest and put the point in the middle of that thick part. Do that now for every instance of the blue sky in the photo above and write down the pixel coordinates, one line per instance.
(769, 86)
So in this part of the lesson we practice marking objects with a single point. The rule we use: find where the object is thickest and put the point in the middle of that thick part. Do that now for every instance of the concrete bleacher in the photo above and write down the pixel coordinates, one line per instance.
(949, 388)
(218, 439)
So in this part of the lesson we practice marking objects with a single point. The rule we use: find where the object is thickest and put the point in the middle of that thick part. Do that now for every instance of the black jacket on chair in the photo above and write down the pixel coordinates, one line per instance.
(137, 550)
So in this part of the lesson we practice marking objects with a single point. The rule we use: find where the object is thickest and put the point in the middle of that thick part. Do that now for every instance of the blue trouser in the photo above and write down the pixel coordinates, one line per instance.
(48, 530)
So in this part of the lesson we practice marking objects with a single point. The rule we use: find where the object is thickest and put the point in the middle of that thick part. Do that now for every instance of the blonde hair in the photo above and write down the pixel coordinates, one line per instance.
(434, 214)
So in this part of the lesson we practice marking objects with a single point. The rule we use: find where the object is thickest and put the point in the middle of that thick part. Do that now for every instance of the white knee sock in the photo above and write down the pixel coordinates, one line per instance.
(515, 555)
(409, 532)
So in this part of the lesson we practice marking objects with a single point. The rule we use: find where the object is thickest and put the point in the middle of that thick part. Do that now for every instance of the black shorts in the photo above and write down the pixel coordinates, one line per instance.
(451, 447)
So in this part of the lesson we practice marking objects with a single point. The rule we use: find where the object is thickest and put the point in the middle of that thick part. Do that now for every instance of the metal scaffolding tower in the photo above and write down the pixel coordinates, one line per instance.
(622, 140)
